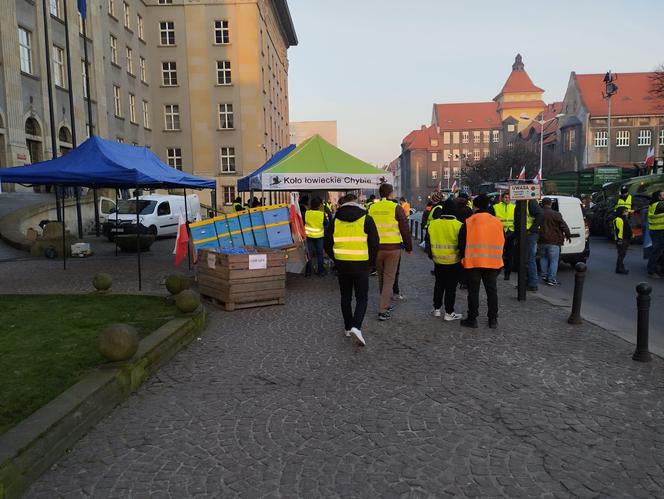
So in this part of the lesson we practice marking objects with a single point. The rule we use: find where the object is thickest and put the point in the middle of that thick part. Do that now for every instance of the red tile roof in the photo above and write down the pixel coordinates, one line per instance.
(467, 116)
(522, 104)
(633, 97)
(421, 139)
(519, 81)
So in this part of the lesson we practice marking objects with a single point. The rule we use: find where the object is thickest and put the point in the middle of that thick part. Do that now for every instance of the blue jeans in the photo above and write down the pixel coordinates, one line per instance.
(315, 247)
(656, 251)
(533, 278)
(549, 256)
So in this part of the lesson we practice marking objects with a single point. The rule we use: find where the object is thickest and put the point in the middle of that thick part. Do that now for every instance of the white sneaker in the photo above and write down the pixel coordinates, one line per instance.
(435, 312)
(398, 297)
(452, 317)
(347, 333)
(358, 337)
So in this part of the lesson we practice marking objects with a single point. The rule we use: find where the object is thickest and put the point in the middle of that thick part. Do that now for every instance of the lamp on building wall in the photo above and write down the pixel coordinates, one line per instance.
(610, 89)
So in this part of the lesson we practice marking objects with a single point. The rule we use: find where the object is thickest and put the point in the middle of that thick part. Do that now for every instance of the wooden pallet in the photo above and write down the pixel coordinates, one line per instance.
(230, 306)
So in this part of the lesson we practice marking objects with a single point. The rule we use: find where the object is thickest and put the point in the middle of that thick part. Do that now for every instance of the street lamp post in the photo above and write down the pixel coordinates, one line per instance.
(449, 169)
(543, 122)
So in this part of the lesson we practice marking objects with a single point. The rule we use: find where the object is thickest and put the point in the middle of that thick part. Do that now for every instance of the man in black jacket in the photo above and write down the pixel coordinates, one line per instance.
(353, 270)
(534, 216)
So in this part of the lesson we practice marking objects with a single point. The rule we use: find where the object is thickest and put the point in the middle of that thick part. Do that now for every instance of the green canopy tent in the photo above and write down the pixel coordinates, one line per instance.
(315, 164)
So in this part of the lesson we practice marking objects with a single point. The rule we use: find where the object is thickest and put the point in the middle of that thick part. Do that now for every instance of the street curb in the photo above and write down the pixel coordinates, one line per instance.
(34, 445)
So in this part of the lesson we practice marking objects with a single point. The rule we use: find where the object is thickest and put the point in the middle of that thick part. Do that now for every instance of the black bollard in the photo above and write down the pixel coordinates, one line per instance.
(579, 277)
(641, 353)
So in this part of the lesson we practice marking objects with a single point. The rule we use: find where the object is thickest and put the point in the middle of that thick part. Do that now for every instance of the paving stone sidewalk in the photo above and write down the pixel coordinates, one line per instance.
(276, 402)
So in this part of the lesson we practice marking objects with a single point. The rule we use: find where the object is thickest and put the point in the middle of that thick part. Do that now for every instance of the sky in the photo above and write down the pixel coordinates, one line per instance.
(378, 66)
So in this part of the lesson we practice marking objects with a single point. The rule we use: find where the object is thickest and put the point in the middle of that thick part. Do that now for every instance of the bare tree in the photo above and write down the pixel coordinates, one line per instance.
(494, 169)
(657, 82)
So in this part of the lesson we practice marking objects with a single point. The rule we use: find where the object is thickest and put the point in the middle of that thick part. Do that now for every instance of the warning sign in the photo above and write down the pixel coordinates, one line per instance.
(524, 192)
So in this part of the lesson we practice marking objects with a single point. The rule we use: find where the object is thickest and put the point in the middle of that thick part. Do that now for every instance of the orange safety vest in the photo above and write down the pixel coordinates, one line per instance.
(484, 242)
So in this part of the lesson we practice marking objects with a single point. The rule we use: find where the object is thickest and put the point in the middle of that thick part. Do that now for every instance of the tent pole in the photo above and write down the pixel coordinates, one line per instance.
(115, 237)
(64, 243)
(186, 226)
(138, 240)
(58, 213)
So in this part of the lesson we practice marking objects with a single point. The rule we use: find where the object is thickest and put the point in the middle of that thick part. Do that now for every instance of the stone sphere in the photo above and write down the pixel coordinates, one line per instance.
(177, 282)
(118, 342)
(187, 301)
(102, 282)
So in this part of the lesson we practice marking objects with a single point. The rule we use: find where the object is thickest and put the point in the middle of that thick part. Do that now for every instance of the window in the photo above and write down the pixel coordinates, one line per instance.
(434, 142)
(221, 33)
(59, 67)
(227, 155)
(132, 108)
(117, 102)
(80, 24)
(111, 7)
(485, 136)
(446, 137)
(447, 173)
(141, 27)
(172, 116)
(465, 137)
(55, 8)
(229, 194)
(169, 74)
(25, 49)
(510, 145)
(146, 114)
(495, 135)
(167, 32)
(174, 157)
(434, 156)
(455, 137)
(434, 174)
(476, 137)
(144, 72)
(226, 116)
(164, 208)
(485, 153)
(622, 138)
(601, 139)
(511, 128)
(571, 139)
(130, 60)
(127, 18)
(114, 50)
(120, 140)
(477, 155)
(645, 137)
(661, 137)
(165, 2)
(84, 74)
(457, 171)
(223, 72)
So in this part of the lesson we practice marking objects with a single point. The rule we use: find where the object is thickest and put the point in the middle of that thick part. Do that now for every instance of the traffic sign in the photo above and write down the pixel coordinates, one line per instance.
(524, 192)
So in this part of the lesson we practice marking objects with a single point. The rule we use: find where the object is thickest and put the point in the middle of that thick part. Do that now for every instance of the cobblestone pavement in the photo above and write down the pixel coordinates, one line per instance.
(276, 402)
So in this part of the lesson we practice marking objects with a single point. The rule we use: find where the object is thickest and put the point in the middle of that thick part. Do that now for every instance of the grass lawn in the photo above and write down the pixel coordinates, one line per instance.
(48, 342)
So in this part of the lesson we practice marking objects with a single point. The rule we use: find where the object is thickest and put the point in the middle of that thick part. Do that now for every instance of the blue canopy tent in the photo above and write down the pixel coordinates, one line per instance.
(103, 163)
(245, 183)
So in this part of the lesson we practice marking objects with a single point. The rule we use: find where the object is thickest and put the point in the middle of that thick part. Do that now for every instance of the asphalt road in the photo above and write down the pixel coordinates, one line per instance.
(609, 299)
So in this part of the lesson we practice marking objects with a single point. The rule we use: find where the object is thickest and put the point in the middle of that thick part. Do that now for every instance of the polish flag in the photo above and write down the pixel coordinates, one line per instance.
(181, 242)
(650, 158)
(454, 186)
(522, 175)
(538, 177)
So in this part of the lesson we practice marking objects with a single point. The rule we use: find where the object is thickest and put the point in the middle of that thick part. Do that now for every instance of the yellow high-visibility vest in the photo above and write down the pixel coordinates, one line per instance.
(313, 224)
(627, 203)
(655, 220)
(444, 239)
(505, 213)
(383, 214)
(350, 241)
(618, 225)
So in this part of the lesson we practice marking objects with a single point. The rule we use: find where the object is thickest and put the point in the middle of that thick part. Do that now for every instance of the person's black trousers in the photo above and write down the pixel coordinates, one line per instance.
(360, 283)
(508, 252)
(447, 278)
(488, 277)
(622, 247)
(395, 287)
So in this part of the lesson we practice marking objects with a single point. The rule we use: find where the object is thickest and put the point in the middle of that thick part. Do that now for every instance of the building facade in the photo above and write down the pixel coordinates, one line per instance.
(204, 84)
(637, 122)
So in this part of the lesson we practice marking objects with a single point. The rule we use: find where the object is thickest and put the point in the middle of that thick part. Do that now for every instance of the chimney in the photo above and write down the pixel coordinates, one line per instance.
(423, 127)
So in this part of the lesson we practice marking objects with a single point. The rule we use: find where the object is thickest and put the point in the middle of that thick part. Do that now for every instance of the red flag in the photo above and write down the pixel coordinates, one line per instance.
(454, 186)
(181, 242)
(538, 177)
(522, 175)
(650, 158)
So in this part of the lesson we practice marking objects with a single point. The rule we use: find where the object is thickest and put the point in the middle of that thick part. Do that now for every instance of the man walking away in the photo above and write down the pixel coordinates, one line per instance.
(622, 233)
(656, 228)
(533, 220)
(504, 211)
(481, 243)
(351, 240)
(315, 221)
(552, 235)
(392, 230)
(442, 246)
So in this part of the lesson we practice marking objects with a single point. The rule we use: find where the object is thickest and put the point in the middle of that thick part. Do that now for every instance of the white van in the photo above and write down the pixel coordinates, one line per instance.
(159, 214)
(579, 249)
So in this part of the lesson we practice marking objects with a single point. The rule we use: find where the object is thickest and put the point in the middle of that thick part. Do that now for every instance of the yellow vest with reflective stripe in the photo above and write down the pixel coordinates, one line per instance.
(433, 212)
(350, 241)
(655, 220)
(627, 203)
(444, 239)
(383, 214)
(618, 225)
(313, 224)
(505, 213)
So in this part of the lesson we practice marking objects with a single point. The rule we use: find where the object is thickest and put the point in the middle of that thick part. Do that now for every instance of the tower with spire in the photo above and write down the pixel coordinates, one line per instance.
(519, 98)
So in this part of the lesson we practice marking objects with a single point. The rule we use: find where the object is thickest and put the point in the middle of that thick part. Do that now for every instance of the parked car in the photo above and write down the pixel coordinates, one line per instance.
(160, 214)
(579, 249)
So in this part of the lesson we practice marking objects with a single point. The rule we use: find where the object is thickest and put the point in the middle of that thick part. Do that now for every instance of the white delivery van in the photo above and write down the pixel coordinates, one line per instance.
(579, 249)
(158, 214)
